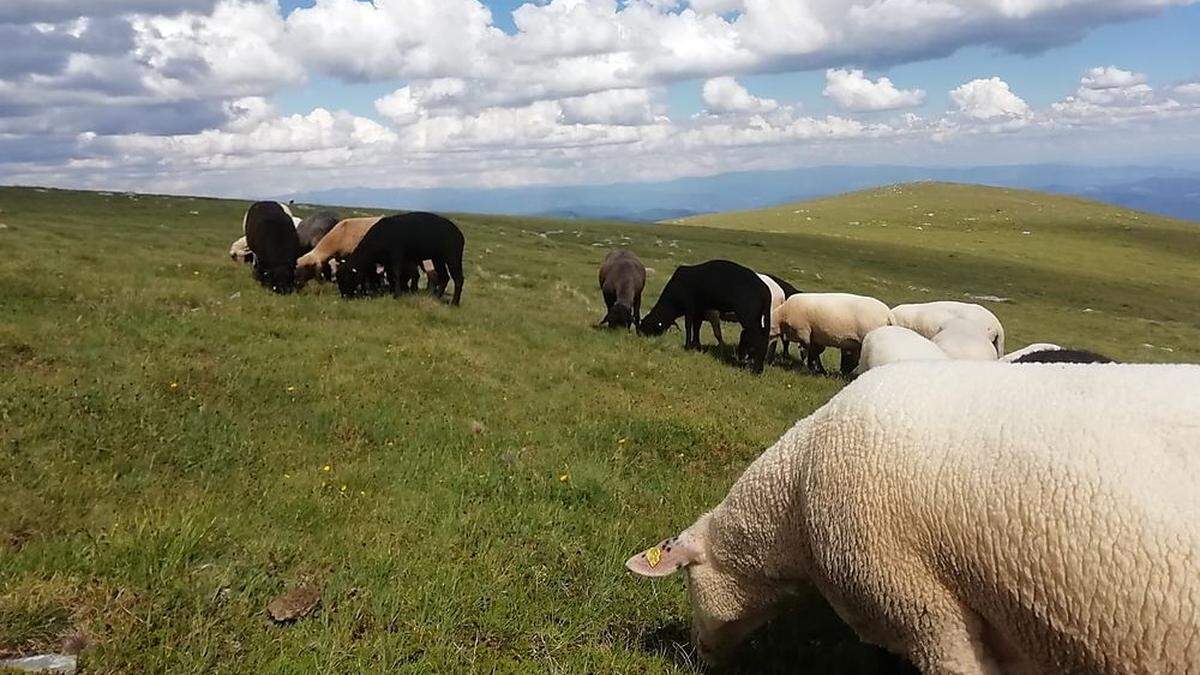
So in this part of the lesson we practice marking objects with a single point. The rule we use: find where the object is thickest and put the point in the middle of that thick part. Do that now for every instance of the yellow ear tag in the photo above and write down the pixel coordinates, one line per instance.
(654, 556)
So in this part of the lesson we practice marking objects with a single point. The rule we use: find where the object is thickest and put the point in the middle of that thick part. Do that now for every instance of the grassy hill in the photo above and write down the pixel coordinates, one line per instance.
(463, 484)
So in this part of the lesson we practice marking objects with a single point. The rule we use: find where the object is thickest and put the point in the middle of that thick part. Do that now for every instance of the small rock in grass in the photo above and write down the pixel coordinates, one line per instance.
(42, 663)
(477, 427)
(294, 604)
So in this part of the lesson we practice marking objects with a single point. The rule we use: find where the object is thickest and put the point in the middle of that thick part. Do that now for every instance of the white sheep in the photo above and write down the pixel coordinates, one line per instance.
(1031, 349)
(965, 340)
(240, 251)
(894, 344)
(836, 320)
(929, 318)
(974, 518)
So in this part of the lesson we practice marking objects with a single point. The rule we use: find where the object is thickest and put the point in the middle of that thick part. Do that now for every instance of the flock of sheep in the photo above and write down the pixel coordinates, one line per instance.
(868, 333)
(972, 511)
(364, 255)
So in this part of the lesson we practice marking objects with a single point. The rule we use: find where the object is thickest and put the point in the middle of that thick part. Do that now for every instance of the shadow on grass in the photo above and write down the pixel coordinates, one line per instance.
(808, 637)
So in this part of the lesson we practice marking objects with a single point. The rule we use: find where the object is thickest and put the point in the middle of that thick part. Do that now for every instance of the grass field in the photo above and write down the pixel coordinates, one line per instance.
(462, 484)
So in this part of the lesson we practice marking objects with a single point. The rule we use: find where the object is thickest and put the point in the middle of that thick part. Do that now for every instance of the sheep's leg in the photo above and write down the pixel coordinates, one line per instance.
(610, 299)
(454, 268)
(814, 359)
(850, 361)
(689, 327)
(637, 311)
(397, 278)
(716, 326)
(443, 278)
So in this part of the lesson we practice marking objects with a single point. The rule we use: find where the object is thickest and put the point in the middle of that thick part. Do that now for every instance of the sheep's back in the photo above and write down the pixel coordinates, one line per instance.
(1057, 502)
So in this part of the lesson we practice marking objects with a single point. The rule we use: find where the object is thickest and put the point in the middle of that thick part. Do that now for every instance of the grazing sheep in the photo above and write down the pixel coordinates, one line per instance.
(339, 242)
(313, 229)
(240, 251)
(1060, 355)
(1036, 347)
(721, 286)
(893, 344)
(622, 280)
(837, 320)
(778, 295)
(928, 319)
(399, 244)
(965, 340)
(948, 514)
(271, 236)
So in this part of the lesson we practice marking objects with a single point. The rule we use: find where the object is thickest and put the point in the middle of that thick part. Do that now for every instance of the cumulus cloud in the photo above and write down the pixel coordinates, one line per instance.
(723, 95)
(1189, 90)
(988, 99)
(623, 107)
(1109, 95)
(852, 91)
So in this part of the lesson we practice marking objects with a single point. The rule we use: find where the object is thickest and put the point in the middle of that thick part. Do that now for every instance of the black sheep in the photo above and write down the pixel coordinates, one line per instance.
(271, 236)
(622, 279)
(721, 286)
(399, 243)
(313, 229)
(1064, 356)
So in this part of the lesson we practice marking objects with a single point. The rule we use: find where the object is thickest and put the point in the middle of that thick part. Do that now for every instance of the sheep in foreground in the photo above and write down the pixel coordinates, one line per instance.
(622, 280)
(271, 235)
(929, 318)
(717, 286)
(838, 320)
(965, 340)
(1037, 538)
(894, 344)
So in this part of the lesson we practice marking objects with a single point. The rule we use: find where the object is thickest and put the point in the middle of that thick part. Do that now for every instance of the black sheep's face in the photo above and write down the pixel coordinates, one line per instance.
(654, 323)
(347, 279)
(281, 279)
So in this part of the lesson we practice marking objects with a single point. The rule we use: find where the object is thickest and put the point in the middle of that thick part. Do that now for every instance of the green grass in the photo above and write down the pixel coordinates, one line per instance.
(166, 425)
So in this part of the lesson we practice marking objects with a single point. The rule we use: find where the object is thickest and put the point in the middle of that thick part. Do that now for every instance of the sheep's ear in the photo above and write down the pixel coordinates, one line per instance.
(669, 556)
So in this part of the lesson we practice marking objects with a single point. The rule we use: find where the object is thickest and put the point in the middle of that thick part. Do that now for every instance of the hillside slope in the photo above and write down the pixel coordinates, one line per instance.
(1107, 248)
(463, 484)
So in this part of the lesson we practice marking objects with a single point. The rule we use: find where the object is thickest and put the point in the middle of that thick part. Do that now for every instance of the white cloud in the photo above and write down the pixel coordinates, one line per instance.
(1189, 90)
(988, 99)
(1110, 95)
(723, 95)
(625, 107)
(1111, 77)
(851, 90)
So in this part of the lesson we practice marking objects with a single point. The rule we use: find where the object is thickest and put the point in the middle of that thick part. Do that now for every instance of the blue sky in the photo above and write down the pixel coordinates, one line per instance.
(277, 96)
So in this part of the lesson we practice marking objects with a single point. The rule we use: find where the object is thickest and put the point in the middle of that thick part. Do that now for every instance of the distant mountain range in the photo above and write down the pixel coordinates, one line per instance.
(1163, 190)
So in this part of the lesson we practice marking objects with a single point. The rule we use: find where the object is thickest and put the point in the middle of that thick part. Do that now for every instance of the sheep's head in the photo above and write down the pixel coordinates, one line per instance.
(657, 321)
(348, 279)
(726, 606)
(620, 316)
